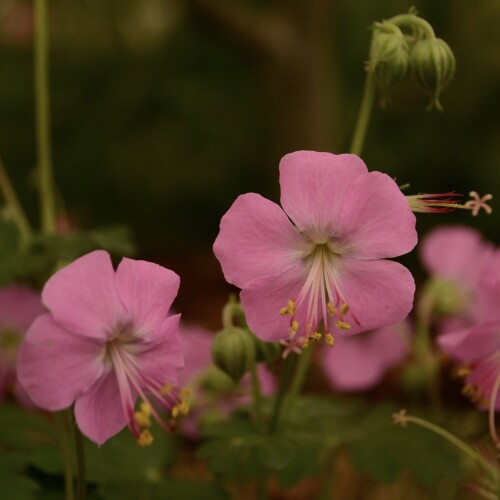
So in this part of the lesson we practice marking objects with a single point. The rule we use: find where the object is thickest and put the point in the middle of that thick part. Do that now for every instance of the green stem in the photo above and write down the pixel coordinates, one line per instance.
(364, 115)
(300, 372)
(81, 483)
(458, 443)
(42, 103)
(66, 454)
(286, 374)
(13, 203)
(411, 21)
(256, 391)
(327, 487)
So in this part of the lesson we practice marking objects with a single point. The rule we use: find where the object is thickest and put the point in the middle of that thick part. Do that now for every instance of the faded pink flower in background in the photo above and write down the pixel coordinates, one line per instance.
(105, 341)
(358, 363)
(458, 257)
(214, 392)
(322, 258)
(19, 306)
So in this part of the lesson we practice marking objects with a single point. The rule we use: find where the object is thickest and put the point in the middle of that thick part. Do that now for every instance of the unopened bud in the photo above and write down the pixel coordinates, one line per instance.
(445, 296)
(433, 65)
(214, 380)
(233, 351)
(389, 55)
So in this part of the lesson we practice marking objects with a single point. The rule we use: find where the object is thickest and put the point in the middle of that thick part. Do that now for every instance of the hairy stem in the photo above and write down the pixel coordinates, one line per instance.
(364, 115)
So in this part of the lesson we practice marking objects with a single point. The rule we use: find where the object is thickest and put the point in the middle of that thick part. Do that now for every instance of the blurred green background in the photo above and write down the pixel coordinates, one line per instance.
(164, 111)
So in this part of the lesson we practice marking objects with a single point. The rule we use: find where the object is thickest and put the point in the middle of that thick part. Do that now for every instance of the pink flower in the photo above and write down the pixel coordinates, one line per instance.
(19, 306)
(321, 257)
(359, 363)
(106, 340)
(457, 258)
(215, 392)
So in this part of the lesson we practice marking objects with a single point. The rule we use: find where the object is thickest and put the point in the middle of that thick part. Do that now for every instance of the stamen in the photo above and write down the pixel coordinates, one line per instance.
(344, 309)
(329, 339)
(331, 309)
(294, 327)
(142, 419)
(145, 438)
(343, 325)
(479, 202)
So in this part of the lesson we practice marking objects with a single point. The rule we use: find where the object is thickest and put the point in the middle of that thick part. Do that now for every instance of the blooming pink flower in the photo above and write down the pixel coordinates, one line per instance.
(199, 370)
(106, 340)
(321, 257)
(19, 306)
(359, 363)
(458, 257)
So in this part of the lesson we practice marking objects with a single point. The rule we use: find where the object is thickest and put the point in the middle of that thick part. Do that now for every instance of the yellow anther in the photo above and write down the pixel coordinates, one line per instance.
(306, 342)
(166, 389)
(146, 409)
(145, 438)
(315, 336)
(343, 309)
(186, 392)
(294, 327)
(142, 419)
(343, 325)
(292, 307)
(329, 339)
(469, 390)
(181, 408)
(331, 309)
(284, 311)
(463, 371)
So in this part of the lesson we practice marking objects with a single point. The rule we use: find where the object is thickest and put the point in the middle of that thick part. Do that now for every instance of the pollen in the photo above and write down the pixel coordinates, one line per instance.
(344, 309)
(181, 408)
(142, 419)
(291, 309)
(462, 371)
(331, 309)
(294, 327)
(343, 325)
(145, 409)
(166, 389)
(329, 339)
(186, 392)
(145, 438)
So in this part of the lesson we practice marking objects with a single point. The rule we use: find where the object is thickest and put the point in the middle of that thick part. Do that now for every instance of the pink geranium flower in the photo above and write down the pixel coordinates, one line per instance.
(105, 341)
(214, 391)
(359, 363)
(19, 306)
(322, 258)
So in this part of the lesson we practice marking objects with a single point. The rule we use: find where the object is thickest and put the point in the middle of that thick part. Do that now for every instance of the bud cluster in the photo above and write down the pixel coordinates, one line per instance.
(406, 45)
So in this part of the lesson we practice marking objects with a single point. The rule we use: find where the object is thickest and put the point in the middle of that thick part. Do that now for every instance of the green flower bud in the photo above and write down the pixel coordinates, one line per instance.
(233, 351)
(445, 296)
(214, 380)
(433, 65)
(389, 55)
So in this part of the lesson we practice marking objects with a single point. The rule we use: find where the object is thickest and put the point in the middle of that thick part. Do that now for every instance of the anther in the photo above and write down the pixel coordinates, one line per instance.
(145, 438)
(146, 409)
(181, 408)
(331, 309)
(343, 325)
(344, 309)
(166, 389)
(294, 327)
(329, 339)
(142, 419)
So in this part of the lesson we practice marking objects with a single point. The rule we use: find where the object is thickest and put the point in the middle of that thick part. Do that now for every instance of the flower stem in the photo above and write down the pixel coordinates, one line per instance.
(256, 391)
(364, 115)
(42, 103)
(300, 372)
(491, 415)
(411, 20)
(66, 455)
(81, 484)
(13, 203)
(286, 374)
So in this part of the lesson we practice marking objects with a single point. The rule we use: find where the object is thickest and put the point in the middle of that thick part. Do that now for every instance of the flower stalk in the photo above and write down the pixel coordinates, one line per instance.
(364, 115)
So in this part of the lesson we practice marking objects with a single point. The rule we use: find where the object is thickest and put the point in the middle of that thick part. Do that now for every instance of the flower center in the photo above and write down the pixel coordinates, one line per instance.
(132, 378)
(320, 297)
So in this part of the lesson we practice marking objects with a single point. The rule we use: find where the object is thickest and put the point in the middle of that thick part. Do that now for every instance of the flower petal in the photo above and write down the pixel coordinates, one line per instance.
(313, 186)
(99, 412)
(378, 292)
(256, 239)
(471, 344)
(358, 362)
(455, 252)
(163, 356)
(56, 366)
(147, 290)
(263, 298)
(82, 296)
(376, 220)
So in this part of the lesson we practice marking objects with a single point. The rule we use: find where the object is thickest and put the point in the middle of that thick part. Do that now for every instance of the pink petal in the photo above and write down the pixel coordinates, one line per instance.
(256, 239)
(455, 252)
(358, 362)
(82, 296)
(472, 343)
(163, 357)
(313, 186)
(19, 306)
(99, 412)
(263, 298)
(376, 220)
(56, 366)
(147, 290)
(378, 292)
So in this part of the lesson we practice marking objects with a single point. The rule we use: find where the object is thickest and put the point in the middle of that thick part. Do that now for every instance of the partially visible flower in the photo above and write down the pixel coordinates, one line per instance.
(19, 306)
(359, 363)
(106, 341)
(215, 394)
(321, 260)
(456, 257)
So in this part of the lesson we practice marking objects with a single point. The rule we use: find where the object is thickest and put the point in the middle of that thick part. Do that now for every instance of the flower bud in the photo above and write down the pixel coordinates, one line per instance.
(433, 65)
(389, 55)
(446, 297)
(233, 351)
(214, 380)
